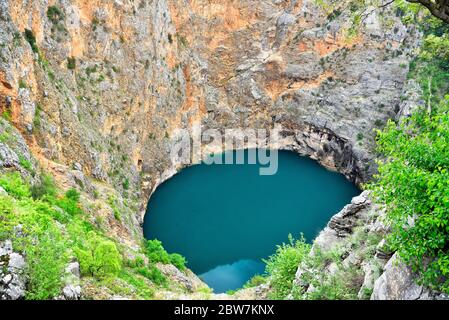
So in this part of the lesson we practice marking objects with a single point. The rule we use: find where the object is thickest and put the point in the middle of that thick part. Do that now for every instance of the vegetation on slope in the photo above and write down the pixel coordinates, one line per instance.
(413, 179)
(412, 184)
(51, 229)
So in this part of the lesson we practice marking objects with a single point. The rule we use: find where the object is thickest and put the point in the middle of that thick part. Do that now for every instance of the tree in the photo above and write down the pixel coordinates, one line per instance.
(439, 8)
(361, 9)
(413, 184)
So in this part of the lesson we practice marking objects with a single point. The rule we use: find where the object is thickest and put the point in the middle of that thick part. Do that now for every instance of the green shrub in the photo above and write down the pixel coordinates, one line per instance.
(71, 63)
(6, 114)
(25, 163)
(255, 281)
(178, 261)
(72, 194)
(99, 258)
(125, 184)
(54, 14)
(138, 262)
(283, 264)
(153, 274)
(13, 183)
(43, 245)
(31, 39)
(156, 252)
(69, 206)
(7, 217)
(37, 118)
(46, 262)
(143, 290)
(115, 210)
(333, 287)
(22, 84)
(45, 187)
(413, 183)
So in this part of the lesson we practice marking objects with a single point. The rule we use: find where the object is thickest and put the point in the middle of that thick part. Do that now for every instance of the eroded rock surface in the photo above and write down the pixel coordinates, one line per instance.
(12, 278)
(96, 99)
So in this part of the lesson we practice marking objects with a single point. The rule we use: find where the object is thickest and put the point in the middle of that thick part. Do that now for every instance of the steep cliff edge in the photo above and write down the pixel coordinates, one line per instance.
(97, 88)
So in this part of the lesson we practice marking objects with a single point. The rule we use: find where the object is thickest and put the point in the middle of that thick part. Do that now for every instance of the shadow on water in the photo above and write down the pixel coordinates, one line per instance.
(225, 218)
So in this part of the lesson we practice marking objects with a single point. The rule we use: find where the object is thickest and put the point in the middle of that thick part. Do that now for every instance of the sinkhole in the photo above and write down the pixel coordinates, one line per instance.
(225, 219)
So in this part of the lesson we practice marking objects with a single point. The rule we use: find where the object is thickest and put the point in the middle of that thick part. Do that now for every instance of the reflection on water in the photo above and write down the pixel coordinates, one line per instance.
(222, 217)
(232, 276)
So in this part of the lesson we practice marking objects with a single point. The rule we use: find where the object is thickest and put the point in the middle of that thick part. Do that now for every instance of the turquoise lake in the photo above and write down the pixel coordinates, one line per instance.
(226, 218)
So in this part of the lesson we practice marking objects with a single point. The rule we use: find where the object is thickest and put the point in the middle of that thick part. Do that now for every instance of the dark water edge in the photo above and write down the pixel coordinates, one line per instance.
(226, 218)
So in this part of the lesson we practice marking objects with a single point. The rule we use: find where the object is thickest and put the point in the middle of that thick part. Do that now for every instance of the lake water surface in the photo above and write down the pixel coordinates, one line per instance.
(226, 218)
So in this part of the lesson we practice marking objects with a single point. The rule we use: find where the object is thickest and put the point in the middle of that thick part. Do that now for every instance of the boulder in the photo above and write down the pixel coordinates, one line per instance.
(397, 283)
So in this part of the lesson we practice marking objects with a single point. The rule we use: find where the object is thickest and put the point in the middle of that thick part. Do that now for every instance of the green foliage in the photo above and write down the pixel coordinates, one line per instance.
(115, 209)
(99, 257)
(4, 137)
(413, 182)
(6, 114)
(54, 14)
(7, 217)
(71, 63)
(72, 194)
(22, 84)
(46, 263)
(29, 36)
(25, 163)
(156, 253)
(431, 68)
(255, 281)
(37, 118)
(52, 232)
(282, 266)
(44, 246)
(178, 261)
(153, 274)
(413, 179)
(13, 183)
(138, 262)
(125, 184)
(360, 10)
(45, 187)
(143, 290)
(336, 287)
(69, 202)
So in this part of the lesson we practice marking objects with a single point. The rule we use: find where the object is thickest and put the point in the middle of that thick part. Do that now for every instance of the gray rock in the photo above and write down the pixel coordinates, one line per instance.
(396, 283)
(15, 291)
(73, 268)
(5, 248)
(16, 262)
(71, 292)
(12, 279)
(77, 166)
(7, 279)
(382, 251)
(8, 158)
(72, 288)
(344, 221)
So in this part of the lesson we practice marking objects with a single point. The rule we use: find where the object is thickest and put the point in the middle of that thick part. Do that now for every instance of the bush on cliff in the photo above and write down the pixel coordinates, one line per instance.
(283, 264)
(99, 257)
(413, 179)
(156, 253)
(413, 183)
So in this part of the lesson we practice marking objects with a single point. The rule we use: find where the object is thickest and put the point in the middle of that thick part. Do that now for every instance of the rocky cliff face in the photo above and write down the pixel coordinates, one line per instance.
(97, 88)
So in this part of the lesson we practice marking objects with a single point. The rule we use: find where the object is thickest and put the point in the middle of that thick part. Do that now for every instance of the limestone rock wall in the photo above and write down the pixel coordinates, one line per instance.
(144, 68)
(97, 88)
